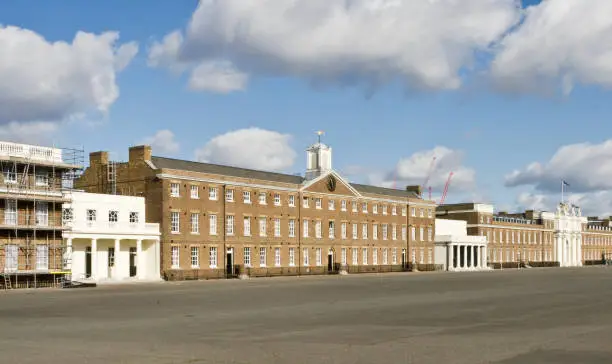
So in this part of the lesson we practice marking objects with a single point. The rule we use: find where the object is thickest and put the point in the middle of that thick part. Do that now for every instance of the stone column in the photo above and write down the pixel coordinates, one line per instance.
(117, 269)
(68, 255)
(462, 256)
(94, 259)
(473, 249)
(579, 250)
(139, 260)
(450, 255)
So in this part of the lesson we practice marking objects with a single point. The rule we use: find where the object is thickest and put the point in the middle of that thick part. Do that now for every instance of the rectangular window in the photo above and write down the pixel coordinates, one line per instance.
(318, 203)
(331, 204)
(277, 257)
(291, 228)
(332, 230)
(343, 205)
(394, 232)
(113, 216)
(42, 213)
(91, 215)
(355, 256)
(421, 213)
(195, 192)
(10, 176)
(354, 207)
(375, 209)
(394, 210)
(403, 210)
(429, 213)
(305, 202)
(195, 223)
(413, 212)
(262, 257)
(291, 257)
(42, 257)
(246, 221)
(42, 179)
(354, 231)
(374, 256)
(229, 195)
(291, 200)
(277, 199)
(174, 189)
(318, 228)
(364, 256)
(421, 233)
(175, 257)
(343, 256)
(305, 257)
(343, 230)
(174, 222)
(247, 256)
(67, 215)
(318, 257)
(384, 210)
(133, 217)
(364, 231)
(404, 235)
(412, 233)
(429, 234)
(364, 207)
(384, 231)
(421, 256)
(385, 260)
(195, 257)
(262, 198)
(212, 257)
(246, 196)
(263, 226)
(394, 256)
(305, 228)
(375, 231)
(229, 225)
(212, 193)
(212, 224)
(277, 227)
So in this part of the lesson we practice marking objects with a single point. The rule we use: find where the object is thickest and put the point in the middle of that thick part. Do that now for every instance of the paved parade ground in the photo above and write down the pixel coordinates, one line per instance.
(529, 316)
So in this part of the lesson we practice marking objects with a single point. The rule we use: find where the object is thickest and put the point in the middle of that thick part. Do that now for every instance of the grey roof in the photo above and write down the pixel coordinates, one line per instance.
(383, 191)
(183, 165)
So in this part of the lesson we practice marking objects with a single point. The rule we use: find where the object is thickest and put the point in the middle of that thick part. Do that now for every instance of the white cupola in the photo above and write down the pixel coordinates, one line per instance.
(318, 159)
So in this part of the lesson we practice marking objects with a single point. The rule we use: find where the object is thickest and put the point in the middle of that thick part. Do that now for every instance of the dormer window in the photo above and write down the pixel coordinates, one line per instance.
(113, 216)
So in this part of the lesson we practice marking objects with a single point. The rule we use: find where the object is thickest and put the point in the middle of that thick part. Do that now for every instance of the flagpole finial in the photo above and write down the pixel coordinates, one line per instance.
(319, 133)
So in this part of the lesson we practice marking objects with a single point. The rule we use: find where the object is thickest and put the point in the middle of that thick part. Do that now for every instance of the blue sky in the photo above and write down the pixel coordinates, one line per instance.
(488, 131)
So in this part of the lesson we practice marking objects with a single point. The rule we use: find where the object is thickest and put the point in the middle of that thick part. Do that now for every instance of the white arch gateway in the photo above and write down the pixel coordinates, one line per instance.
(568, 235)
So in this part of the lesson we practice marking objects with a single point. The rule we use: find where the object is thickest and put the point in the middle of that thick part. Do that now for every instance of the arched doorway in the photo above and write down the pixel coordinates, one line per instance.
(331, 267)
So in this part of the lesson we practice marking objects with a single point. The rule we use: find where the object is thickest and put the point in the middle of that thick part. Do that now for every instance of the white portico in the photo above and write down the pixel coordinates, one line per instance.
(458, 251)
(568, 235)
(108, 239)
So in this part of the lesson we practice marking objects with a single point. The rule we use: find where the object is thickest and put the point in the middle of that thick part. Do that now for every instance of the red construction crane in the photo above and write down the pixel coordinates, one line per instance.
(446, 188)
(428, 175)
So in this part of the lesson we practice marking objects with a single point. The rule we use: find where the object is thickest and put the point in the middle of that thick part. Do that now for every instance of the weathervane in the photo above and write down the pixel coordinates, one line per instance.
(319, 133)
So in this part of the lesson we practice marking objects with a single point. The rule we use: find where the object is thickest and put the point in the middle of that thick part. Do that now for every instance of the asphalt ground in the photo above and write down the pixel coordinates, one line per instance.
(553, 315)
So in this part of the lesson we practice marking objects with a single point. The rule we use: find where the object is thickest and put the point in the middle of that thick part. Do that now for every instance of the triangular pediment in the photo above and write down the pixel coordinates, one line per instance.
(330, 183)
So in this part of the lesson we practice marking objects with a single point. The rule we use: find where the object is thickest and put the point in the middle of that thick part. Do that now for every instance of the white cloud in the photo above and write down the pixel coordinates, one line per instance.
(163, 141)
(423, 43)
(52, 81)
(586, 167)
(252, 148)
(559, 44)
(219, 77)
(31, 133)
(593, 204)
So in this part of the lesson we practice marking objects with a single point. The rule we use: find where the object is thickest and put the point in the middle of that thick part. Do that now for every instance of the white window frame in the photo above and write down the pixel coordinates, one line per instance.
(292, 257)
(355, 256)
(11, 257)
(212, 257)
(194, 192)
(374, 256)
(229, 225)
(305, 257)
(394, 256)
(277, 227)
(229, 195)
(343, 205)
(305, 228)
(212, 193)
(263, 256)
(42, 213)
(10, 176)
(262, 223)
(175, 257)
(41, 179)
(364, 256)
(305, 202)
(343, 228)
(364, 231)
(375, 231)
(291, 200)
(277, 199)
(194, 220)
(394, 232)
(212, 224)
(292, 228)
(246, 225)
(331, 228)
(385, 231)
(354, 231)
(42, 257)
(343, 256)
(318, 203)
(277, 257)
(318, 257)
(375, 209)
(175, 189)
(263, 198)
(246, 256)
(246, 197)
(175, 222)
(318, 228)
(195, 257)
(385, 257)
(331, 205)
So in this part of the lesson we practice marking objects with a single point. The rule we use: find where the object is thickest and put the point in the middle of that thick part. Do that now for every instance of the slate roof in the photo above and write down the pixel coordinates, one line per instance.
(183, 165)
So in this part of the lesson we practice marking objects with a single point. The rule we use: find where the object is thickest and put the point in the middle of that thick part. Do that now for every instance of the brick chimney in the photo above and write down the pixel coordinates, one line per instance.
(140, 153)
(98, 158)
(416, 189)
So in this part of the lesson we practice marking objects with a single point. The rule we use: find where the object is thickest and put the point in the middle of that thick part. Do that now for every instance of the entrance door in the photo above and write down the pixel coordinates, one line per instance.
(133, 262)
(111, 261)
(88, 262)
(229, 262)
(330, 261)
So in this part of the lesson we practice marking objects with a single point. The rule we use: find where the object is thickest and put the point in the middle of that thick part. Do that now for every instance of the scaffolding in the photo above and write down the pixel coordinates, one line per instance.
(35, 181)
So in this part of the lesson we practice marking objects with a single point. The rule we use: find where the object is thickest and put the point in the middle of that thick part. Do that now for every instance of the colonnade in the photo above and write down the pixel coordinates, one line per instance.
(466, 257)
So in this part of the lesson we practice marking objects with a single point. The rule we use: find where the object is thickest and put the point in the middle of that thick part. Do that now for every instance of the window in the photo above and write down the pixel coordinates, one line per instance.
(229, 225)
(364, 207)
(404, 232)
(291, 257)
(364, 256)
(394, 232)
(133, 217)
(332, 229)
(262, 198)
(291, 200)
(413, 212)
(305, 228)
(364, 231)
(175, 257)
(212, 193)
(246, 225)
(354, 208)
(375, 231)
(354, 229)
(42, 257)
(404, 210)
(246, 196)
(384, 209)
(385, 260)
(421, 256)
(305, 257)
(291, 228)
(374, 256)
(174, 189)
(318, 229)
(212, 224)
(429, 213)
(91, 215)
(10, 213)
(42, 179)
(277, 200)
(429, 234)
(247, 256)
(343, 230)
(42, 213)
(11, 253)
(343, 205)
(67, 215)
(212, 257)
(374, 209)
(195, 223)
(355, 256)
(393, 210)
(229, 195)
(277, 227)
(195, 257)
(262, 226)
(318, 203)
(318, 257)
(421, 213)
(10, 176)
(113, 216)
(277, 257)
(305, 202)
(384, 231)
(421, 233)
(331, 204)
(412, 233)
(394, 256)
(343, 256)
(174, 222)
(262, 257)
(195, 192)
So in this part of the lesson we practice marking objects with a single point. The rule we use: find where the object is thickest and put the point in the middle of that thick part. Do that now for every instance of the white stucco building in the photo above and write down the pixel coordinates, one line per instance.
(108, 240)
(456, 250)
(568, 235)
